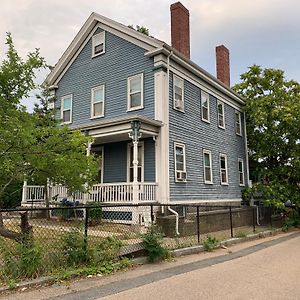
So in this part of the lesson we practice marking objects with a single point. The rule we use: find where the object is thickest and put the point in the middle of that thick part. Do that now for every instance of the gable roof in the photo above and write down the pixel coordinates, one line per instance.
(152, 45)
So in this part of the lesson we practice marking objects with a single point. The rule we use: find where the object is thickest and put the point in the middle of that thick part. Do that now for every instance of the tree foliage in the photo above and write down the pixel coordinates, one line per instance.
(140, 29)
(273, 128)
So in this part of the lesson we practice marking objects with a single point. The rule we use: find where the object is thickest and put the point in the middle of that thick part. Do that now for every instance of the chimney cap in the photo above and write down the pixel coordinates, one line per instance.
(177, 5)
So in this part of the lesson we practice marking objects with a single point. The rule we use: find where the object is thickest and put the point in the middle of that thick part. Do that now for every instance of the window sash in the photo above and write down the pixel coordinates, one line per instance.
(98, 95)
(66, 109)
(180, 164)
(207, 163)
(241, 172)
(238, 125)
(205, 106)
(223, 169)
(98, 43)
(221, 116)
(135, 92)
(178, 89)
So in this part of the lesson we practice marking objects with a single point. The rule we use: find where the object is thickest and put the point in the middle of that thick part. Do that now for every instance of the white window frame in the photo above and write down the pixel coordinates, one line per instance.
(210, 161)
(240, 123)
(101, 36)
(92, 101)
(222, 155)
(240, 160)
(129, 146)
(221, 115)
(180, 145)
(141, 75)
(182, 93)
(62, 108)
(208, 107)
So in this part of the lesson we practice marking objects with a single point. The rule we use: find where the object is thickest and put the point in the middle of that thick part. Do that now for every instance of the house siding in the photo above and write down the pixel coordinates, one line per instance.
(120, 60)
(115, 161)
(189, 129)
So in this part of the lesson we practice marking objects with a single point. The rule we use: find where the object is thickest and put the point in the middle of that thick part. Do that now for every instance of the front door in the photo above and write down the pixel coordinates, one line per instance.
(140, 162)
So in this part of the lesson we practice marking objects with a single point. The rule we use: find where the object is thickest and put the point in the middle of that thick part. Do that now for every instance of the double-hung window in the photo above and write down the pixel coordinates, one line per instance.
(135, 91)
(98, 44)
(97, 95)
(238, 123)
(66, 109)
(205, 106)
(223, 169)
(178, 85)
(241, 172)
(207, 163)
(221, 115)
(180, 166)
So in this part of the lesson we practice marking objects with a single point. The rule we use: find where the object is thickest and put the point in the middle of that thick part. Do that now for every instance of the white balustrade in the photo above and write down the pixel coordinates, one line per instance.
(117, 193)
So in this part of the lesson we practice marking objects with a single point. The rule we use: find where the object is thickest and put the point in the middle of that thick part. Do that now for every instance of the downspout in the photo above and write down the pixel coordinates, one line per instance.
(247, 166)
(168, 88)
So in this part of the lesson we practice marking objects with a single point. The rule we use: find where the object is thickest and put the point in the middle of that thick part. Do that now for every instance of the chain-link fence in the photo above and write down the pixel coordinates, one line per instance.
(61, 237)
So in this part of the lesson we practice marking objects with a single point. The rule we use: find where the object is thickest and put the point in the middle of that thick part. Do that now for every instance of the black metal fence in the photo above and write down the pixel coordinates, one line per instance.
(64, 236)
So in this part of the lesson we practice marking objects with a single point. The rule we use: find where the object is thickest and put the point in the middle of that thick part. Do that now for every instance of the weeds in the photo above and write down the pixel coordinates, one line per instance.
(210, 243)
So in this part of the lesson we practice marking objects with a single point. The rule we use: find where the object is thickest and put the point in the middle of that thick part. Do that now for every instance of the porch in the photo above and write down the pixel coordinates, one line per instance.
(109, 193)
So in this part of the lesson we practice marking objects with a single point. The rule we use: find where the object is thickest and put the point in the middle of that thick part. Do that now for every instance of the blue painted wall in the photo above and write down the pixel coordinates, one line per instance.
(189, 129)
(120, 60)
(115, 161)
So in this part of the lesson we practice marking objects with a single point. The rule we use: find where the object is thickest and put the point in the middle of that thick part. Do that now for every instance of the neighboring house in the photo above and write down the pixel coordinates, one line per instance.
(165, 130)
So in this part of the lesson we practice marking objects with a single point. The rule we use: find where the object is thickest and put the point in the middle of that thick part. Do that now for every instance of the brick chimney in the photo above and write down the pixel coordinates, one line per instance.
(180, 28)
(222, 63)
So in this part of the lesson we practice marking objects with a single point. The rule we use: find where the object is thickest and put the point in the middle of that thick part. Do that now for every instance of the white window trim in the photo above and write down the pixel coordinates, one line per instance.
(226, 169)
(240, 121)
(92, 101)
(210, 160)
(176, 144)
(208, 108)
(141, 75)
(242, 161)
(130, 145)
(93, 44)
(223, 108)
(174, 104)
(62, 108)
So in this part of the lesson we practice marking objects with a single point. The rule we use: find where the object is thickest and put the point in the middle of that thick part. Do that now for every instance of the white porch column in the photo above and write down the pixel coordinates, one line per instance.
(88, 153)
(24, 192)
(135, 164)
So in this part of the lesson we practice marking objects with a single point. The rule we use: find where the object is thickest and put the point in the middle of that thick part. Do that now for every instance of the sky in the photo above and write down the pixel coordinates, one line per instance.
(263, 32)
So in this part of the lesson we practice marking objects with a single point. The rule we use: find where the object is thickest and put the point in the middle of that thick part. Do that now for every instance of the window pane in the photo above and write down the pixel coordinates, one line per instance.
(179, 166)
(179, 150)
(240, 166)
(223, 176)
(241, 178)
(178, 82)
(135, 85)
(98, 95)
(98, 48)
(206, 160)
(67, 103)
(178, 93)
(205, 113)
(66, 116)
(221, 120)
(207, 174)
(223, 164)
(220, 108)
(135, 100)
(98, 109)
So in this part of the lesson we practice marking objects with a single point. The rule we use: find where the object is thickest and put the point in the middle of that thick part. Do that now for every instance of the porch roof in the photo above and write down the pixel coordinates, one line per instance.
(117, 129)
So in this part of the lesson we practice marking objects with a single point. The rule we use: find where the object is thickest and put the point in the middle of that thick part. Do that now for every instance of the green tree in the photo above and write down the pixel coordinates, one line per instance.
(140, 29)
(273, 126)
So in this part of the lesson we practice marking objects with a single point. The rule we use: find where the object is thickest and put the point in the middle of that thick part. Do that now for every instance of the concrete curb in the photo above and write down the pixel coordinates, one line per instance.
(176, 253)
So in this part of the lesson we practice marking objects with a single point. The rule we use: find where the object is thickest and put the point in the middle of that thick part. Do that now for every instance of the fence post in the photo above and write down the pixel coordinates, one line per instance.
(198, 224)
(151, 212)
(86, 224)
(253, 218)
(231, 225)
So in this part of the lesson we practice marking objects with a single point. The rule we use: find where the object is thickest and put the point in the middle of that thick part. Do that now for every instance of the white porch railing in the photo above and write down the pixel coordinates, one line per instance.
(115, 193)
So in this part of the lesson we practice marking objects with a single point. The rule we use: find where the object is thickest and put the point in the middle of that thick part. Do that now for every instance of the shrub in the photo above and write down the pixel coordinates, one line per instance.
(210, 243)
(107, 250)
(94, 211)
(152, 241)
(74, 247)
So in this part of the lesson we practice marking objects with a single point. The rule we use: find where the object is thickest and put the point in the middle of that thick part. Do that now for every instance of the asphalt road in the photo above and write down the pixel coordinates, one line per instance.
(262, 269)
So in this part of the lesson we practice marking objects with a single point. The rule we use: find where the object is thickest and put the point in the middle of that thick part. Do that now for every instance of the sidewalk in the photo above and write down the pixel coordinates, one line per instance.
(144, 274)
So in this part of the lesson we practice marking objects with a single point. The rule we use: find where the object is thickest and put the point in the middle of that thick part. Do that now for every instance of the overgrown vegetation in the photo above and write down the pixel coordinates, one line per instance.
(241, 234)
(210, 243)
(153, 244)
